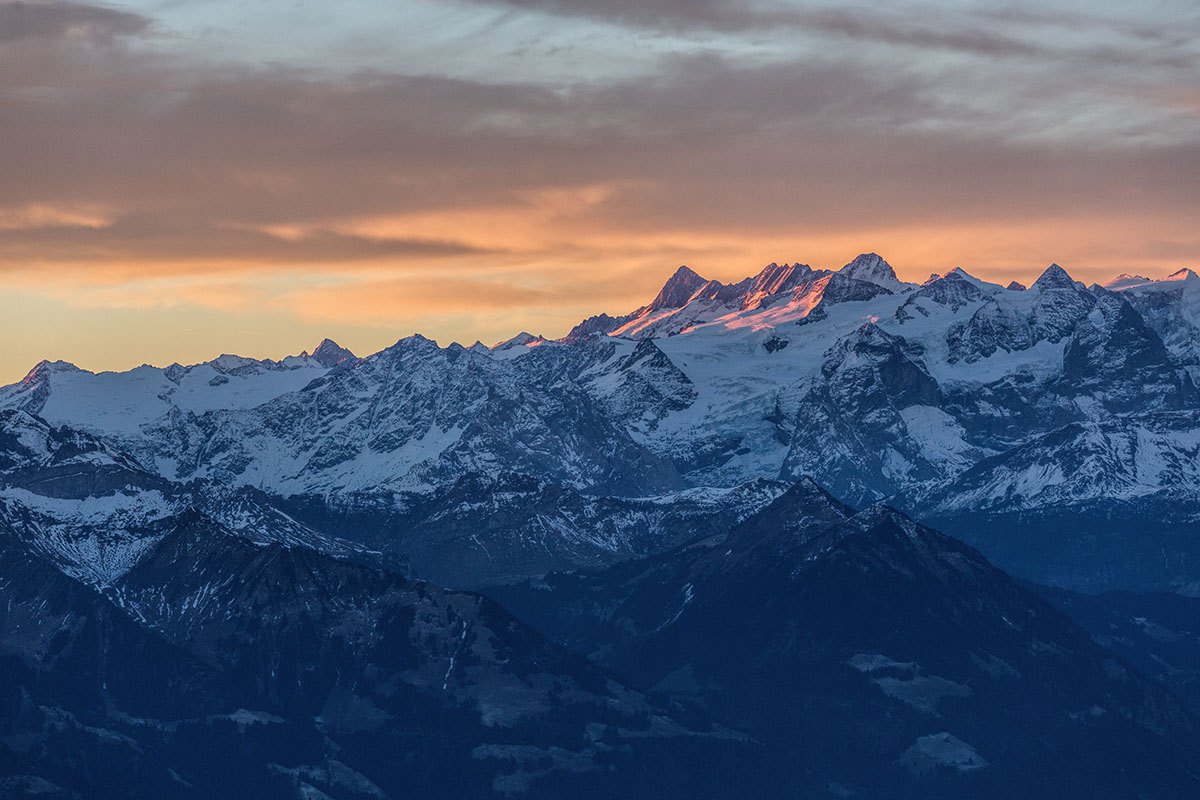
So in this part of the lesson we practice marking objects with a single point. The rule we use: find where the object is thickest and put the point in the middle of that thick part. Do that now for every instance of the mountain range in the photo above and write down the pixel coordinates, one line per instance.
(814, 533)
(1039, 424)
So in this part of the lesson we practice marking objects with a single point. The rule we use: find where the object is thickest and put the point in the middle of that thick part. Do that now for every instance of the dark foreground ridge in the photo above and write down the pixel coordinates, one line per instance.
(876, 655)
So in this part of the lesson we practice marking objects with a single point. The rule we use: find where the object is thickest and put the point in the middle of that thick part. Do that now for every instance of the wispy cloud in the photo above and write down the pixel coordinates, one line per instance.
(871, 25)
(53, 20)
(167, 241)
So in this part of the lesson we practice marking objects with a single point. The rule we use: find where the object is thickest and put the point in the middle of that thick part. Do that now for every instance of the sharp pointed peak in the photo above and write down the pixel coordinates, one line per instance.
(329, 353)
(1054, 277)
(678, 289)
(683, 273)
(1184, 274)
(1016, 286)
(791, 517)
(807, 489)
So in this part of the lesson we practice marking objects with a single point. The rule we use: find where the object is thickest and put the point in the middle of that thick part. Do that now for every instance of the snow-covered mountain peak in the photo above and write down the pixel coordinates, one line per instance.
(1125, 281)
(31, 392)
(415, 342)
(44, 369)
(522, 339)
(1182, 275)
(1016, 286)
(777, 295)
(958, 273)
(678, 289)
(1055, 277)
(954, 290)
(329, 354)
(774, 374)
(872, 268)
(227, 362)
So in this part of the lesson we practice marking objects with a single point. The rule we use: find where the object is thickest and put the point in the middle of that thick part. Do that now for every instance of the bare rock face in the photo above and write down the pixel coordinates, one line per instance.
(678, 290)
(329, 354)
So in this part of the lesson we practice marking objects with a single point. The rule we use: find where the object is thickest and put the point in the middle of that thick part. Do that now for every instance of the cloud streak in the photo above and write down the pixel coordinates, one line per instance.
(728, 16)
(972, 29)
(55, 20)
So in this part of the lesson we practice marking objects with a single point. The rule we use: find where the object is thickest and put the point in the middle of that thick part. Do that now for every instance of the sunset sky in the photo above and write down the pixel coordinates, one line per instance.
(183, 178)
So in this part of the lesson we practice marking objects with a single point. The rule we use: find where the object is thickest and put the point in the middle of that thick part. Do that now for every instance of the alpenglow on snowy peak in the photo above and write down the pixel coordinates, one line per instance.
(784, 292)
(876, 388)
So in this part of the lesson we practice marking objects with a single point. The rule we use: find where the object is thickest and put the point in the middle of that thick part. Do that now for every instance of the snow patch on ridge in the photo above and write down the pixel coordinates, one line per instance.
(941, 750)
